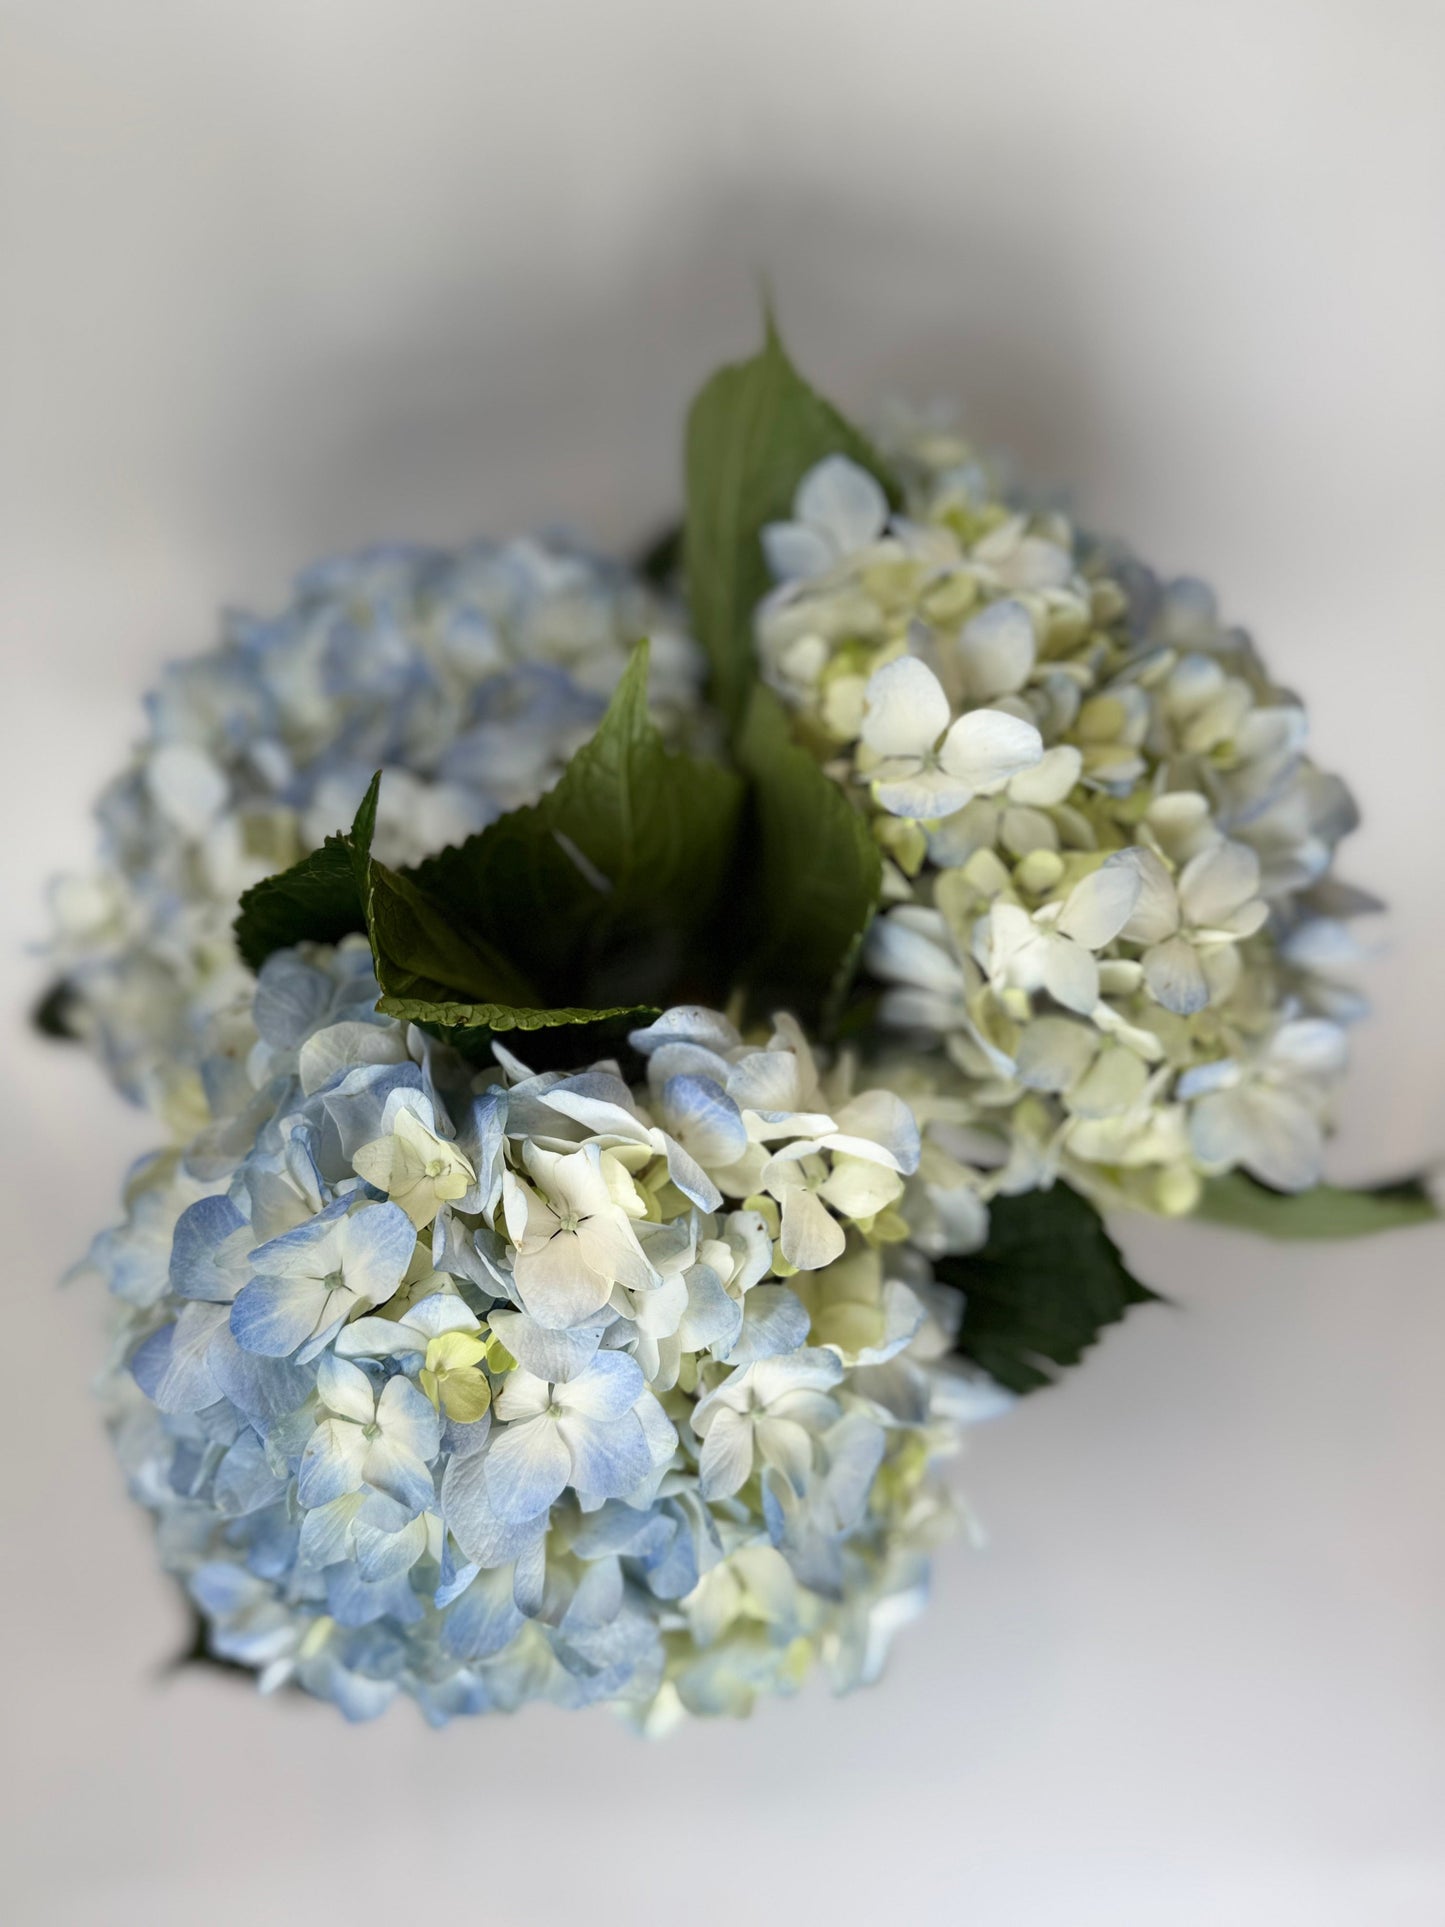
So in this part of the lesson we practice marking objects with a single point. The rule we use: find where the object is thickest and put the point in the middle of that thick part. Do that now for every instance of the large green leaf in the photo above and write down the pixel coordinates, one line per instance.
(1328, 1211)
(610, 891)
(1042, 1289)
(320, 899)
(816, 872)
(422, 957)
(754, 431)
(576, 911)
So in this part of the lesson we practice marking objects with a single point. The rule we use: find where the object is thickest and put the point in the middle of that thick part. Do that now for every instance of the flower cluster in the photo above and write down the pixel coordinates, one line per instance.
(1107, 851)
(485, 1386)
(470, 678)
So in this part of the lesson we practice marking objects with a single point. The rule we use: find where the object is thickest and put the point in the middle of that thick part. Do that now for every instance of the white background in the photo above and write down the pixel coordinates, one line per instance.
(280, 276)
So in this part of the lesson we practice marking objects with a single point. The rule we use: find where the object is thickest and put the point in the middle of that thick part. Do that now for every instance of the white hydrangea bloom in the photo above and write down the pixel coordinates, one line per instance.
(1107, 852)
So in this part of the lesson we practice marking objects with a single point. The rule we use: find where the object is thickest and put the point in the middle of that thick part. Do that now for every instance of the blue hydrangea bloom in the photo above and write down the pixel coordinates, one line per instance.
(486, 1387)
(469, 677)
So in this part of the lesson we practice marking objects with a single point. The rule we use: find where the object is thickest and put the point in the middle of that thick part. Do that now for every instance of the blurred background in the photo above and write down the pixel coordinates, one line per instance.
(284, 276)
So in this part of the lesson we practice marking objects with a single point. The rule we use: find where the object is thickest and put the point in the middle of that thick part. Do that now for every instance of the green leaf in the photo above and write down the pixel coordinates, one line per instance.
(753, 432)
(321, 899)
(609, 892)
(1328, 1211)
(659, 562)
(453, 1016)
(1042, 1289)
(53, 1013)
(816, 871)
(422, 958)
(197, 1649)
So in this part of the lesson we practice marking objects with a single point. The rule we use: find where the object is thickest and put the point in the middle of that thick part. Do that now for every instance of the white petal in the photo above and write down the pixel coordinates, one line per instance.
(610, 1386)
(1155, 915)
(811, 1236)
(1053, 1052)
(988, 747)
(788, 1447)
(345, 1389)
(900, 952)
(794, 553)
(526, 1467)
(727, 1454)
(1071, 974)
(557, 1285)
(1175, 976)
(1051, 778)
(905, 710)
(1113, 1084)
(996, 649)
(1311, 1046)
(1098, 908)
(521, 1395)
(844, 501)
(341, 1047)
(1218, 882)
(186, 786)
(858, 1188)
(907, 787)
(1274, 1135)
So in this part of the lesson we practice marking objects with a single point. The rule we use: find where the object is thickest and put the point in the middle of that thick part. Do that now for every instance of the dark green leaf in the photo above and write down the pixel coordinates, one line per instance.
(1041, 1290)
(659, 562)
(817, 872)
(321, 899)
(1328, 1211)
(53, 1015)
(753, 432)
(197, 1650)
(608, 893)
(422, 958)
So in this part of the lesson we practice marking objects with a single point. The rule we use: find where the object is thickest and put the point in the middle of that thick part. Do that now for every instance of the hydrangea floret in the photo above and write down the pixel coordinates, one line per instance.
(482, 1386)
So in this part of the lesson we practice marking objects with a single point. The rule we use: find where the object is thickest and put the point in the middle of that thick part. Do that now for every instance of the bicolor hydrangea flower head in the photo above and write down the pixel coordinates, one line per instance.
(469, 677)
(1108, 888)
(483, 1386)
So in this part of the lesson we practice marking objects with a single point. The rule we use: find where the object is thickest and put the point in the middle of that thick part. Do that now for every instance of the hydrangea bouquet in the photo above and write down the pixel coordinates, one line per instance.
(643, 1054)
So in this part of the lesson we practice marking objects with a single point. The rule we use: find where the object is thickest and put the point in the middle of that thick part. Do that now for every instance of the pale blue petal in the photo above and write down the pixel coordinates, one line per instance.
(690, 1178)
(468, 1510)
(774, 1320)
(346, 1389)
(331, 1464)
(408, 1419)
(484, 1618)
(265, 1389)
(376, 1244)
(550, 1355)
(399, 1473)
(527, 1466)
(610, 1386)
(386, 1555)
(702, 1114)
(245, 1480)
(187, 1383)
(597, 1600)
(291, 999)
(327, 1531)
(200, 1229)
(609, 1457)
(274, 1316)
